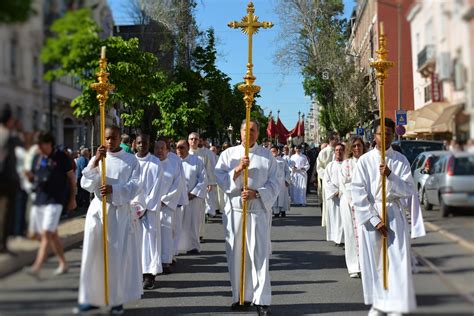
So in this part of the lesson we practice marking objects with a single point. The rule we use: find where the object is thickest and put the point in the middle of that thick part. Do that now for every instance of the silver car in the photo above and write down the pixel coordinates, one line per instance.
(451, 184)
(421, 168)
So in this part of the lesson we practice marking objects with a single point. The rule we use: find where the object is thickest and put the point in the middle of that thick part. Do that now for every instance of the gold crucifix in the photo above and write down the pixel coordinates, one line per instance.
(249, 25)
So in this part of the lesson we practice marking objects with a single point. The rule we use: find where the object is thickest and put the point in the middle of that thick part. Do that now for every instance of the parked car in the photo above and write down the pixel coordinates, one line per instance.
(451, 184)
(421, 168)
(412, 148)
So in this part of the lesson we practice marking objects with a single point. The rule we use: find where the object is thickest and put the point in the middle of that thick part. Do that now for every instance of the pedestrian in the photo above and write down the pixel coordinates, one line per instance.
(299, 173)
(282, 203)
(196, 188)
(148, 203)
(172, 185)
(355, 149)
(54, 186)
(126, 144)
(10, 183)
(261, 194)
(122, 185)
(83, 197)
(332, 192)
(367, 199)
(325, 156)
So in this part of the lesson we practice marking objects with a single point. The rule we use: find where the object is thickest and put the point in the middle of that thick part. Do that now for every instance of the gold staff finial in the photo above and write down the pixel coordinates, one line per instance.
(103, 88)
(381, 65)
(248, 25)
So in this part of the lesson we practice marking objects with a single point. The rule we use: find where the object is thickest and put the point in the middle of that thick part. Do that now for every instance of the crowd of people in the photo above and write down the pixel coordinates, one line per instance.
(159, 195)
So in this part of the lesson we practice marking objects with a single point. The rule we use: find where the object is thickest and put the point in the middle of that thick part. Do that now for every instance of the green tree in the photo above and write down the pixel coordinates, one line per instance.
(145, 92)
(15, 11)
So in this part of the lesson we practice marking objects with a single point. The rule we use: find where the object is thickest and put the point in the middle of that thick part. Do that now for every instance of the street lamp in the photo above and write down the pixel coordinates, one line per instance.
(230, 131)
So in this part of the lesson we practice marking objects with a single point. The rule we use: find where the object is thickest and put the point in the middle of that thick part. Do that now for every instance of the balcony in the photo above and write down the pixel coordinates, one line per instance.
(427, 61)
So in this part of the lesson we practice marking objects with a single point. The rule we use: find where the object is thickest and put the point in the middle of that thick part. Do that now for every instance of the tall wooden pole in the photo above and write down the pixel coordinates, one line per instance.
(103, 88)
(249, 25)
(381, 66)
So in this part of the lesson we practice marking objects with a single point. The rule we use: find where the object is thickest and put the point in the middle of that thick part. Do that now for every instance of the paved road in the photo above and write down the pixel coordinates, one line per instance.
(308, 277)
(461, 223)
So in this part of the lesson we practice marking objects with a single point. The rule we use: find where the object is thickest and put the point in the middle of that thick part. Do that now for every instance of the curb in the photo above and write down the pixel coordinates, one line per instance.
(461, 241)
(71, 234)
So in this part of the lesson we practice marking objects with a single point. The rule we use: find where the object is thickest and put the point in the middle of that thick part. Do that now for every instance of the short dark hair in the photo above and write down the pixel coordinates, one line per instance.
(143, 136)
(300, 147)
(332, 135)
(275, 147)
(45, 138)
(388, 123)
(251, 120)
(342, 145)
(114, 128)
(7, 114)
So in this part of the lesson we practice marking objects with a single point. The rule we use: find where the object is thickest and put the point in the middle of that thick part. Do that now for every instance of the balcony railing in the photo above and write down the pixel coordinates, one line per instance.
(426, 59)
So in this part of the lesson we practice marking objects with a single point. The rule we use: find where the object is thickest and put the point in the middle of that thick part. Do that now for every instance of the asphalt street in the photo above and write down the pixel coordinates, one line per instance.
(308, 277)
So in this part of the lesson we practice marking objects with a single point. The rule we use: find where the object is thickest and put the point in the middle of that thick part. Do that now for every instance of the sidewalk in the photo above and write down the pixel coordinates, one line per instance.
(24, 250)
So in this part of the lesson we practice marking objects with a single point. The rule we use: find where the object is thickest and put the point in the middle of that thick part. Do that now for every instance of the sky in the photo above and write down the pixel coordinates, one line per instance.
(281, 89)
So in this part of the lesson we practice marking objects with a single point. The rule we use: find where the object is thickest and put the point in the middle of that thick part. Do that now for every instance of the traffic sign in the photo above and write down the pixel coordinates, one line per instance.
(400, 130)
(401, 117)
(360, 131)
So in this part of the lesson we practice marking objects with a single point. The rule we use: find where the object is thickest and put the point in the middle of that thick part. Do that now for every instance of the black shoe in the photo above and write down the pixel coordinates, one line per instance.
(241, 308)
(193, 252)
(263, 310)
(167, 270)
(218, 212)
(148, 282)
(276, 215)
(283, 214)
(117, 310)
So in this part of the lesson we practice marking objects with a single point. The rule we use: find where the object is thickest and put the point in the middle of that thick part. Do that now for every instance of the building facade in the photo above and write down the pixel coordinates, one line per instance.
(442, 69)
(311, 124)
(363, 43)
(39, 105)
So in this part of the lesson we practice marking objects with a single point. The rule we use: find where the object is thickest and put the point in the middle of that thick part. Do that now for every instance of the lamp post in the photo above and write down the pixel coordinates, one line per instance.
(230, 131)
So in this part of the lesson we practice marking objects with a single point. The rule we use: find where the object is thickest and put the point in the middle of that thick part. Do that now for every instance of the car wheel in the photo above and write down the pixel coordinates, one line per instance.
(445, 210)
(424, 200)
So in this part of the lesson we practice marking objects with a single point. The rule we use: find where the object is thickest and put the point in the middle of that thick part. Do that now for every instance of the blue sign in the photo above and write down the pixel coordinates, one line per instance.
(402, 117)
(360, 131)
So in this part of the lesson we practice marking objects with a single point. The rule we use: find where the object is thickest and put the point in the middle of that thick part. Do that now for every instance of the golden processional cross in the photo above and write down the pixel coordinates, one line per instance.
(249, 25)
(381, 66)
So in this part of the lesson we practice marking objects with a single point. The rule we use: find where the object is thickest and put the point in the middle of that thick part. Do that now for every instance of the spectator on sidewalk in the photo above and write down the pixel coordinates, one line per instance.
(53, 175)
(9, 182)
(82, 197)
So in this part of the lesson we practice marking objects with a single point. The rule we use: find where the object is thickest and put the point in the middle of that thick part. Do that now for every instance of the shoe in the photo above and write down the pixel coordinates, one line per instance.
(117, 310)
(207, 219)
(194, 252)
(35, 274)
(60, 271)
(148, 282)
(263, 310)
(82, 308)
(174, 261)
(167, 269)
(276, 215)
(375, 312)
(354, 275)
(242, 308)
(283, 214)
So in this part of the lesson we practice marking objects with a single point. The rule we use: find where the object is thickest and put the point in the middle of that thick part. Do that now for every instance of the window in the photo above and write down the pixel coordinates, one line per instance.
(427, 93)
(459, 74)
(36, 74)
(13, 61)
(35, 120)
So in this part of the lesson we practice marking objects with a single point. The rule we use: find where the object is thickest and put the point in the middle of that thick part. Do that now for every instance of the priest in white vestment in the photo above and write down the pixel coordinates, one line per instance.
(262, 192)
(332, 192)
(122, 185)
(148, 203)
(196, 187)
(300, 177)
(356, 149)
(325, 156)
(367, 197)
(171, 186)
(282, 203)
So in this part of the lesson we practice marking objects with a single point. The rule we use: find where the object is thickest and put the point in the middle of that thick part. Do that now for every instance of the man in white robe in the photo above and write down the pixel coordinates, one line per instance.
(171, 186)
(299, 172)
(208, 157)
(263, 189)
(325, 156)
(351, 248)
(148, 203)
(196, 187)
(282, 203)
(366, 196)
(122, 185)
(331, 185)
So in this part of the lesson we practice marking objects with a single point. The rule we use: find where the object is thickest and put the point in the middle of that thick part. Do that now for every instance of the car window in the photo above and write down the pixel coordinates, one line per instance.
(438, 166)
(415, 164)
(464, 166)
(411, 149)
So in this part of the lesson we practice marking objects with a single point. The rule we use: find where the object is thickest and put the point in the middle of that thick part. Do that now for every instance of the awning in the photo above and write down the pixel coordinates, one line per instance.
(427, 115)
(445, 122)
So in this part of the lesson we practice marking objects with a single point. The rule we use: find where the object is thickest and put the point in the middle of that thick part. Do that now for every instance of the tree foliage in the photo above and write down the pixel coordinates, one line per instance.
(13, 11)
(315, 42)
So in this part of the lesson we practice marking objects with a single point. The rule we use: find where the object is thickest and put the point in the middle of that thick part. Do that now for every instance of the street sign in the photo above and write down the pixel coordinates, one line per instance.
(400, 130)
(360, 131)
(401, 117)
